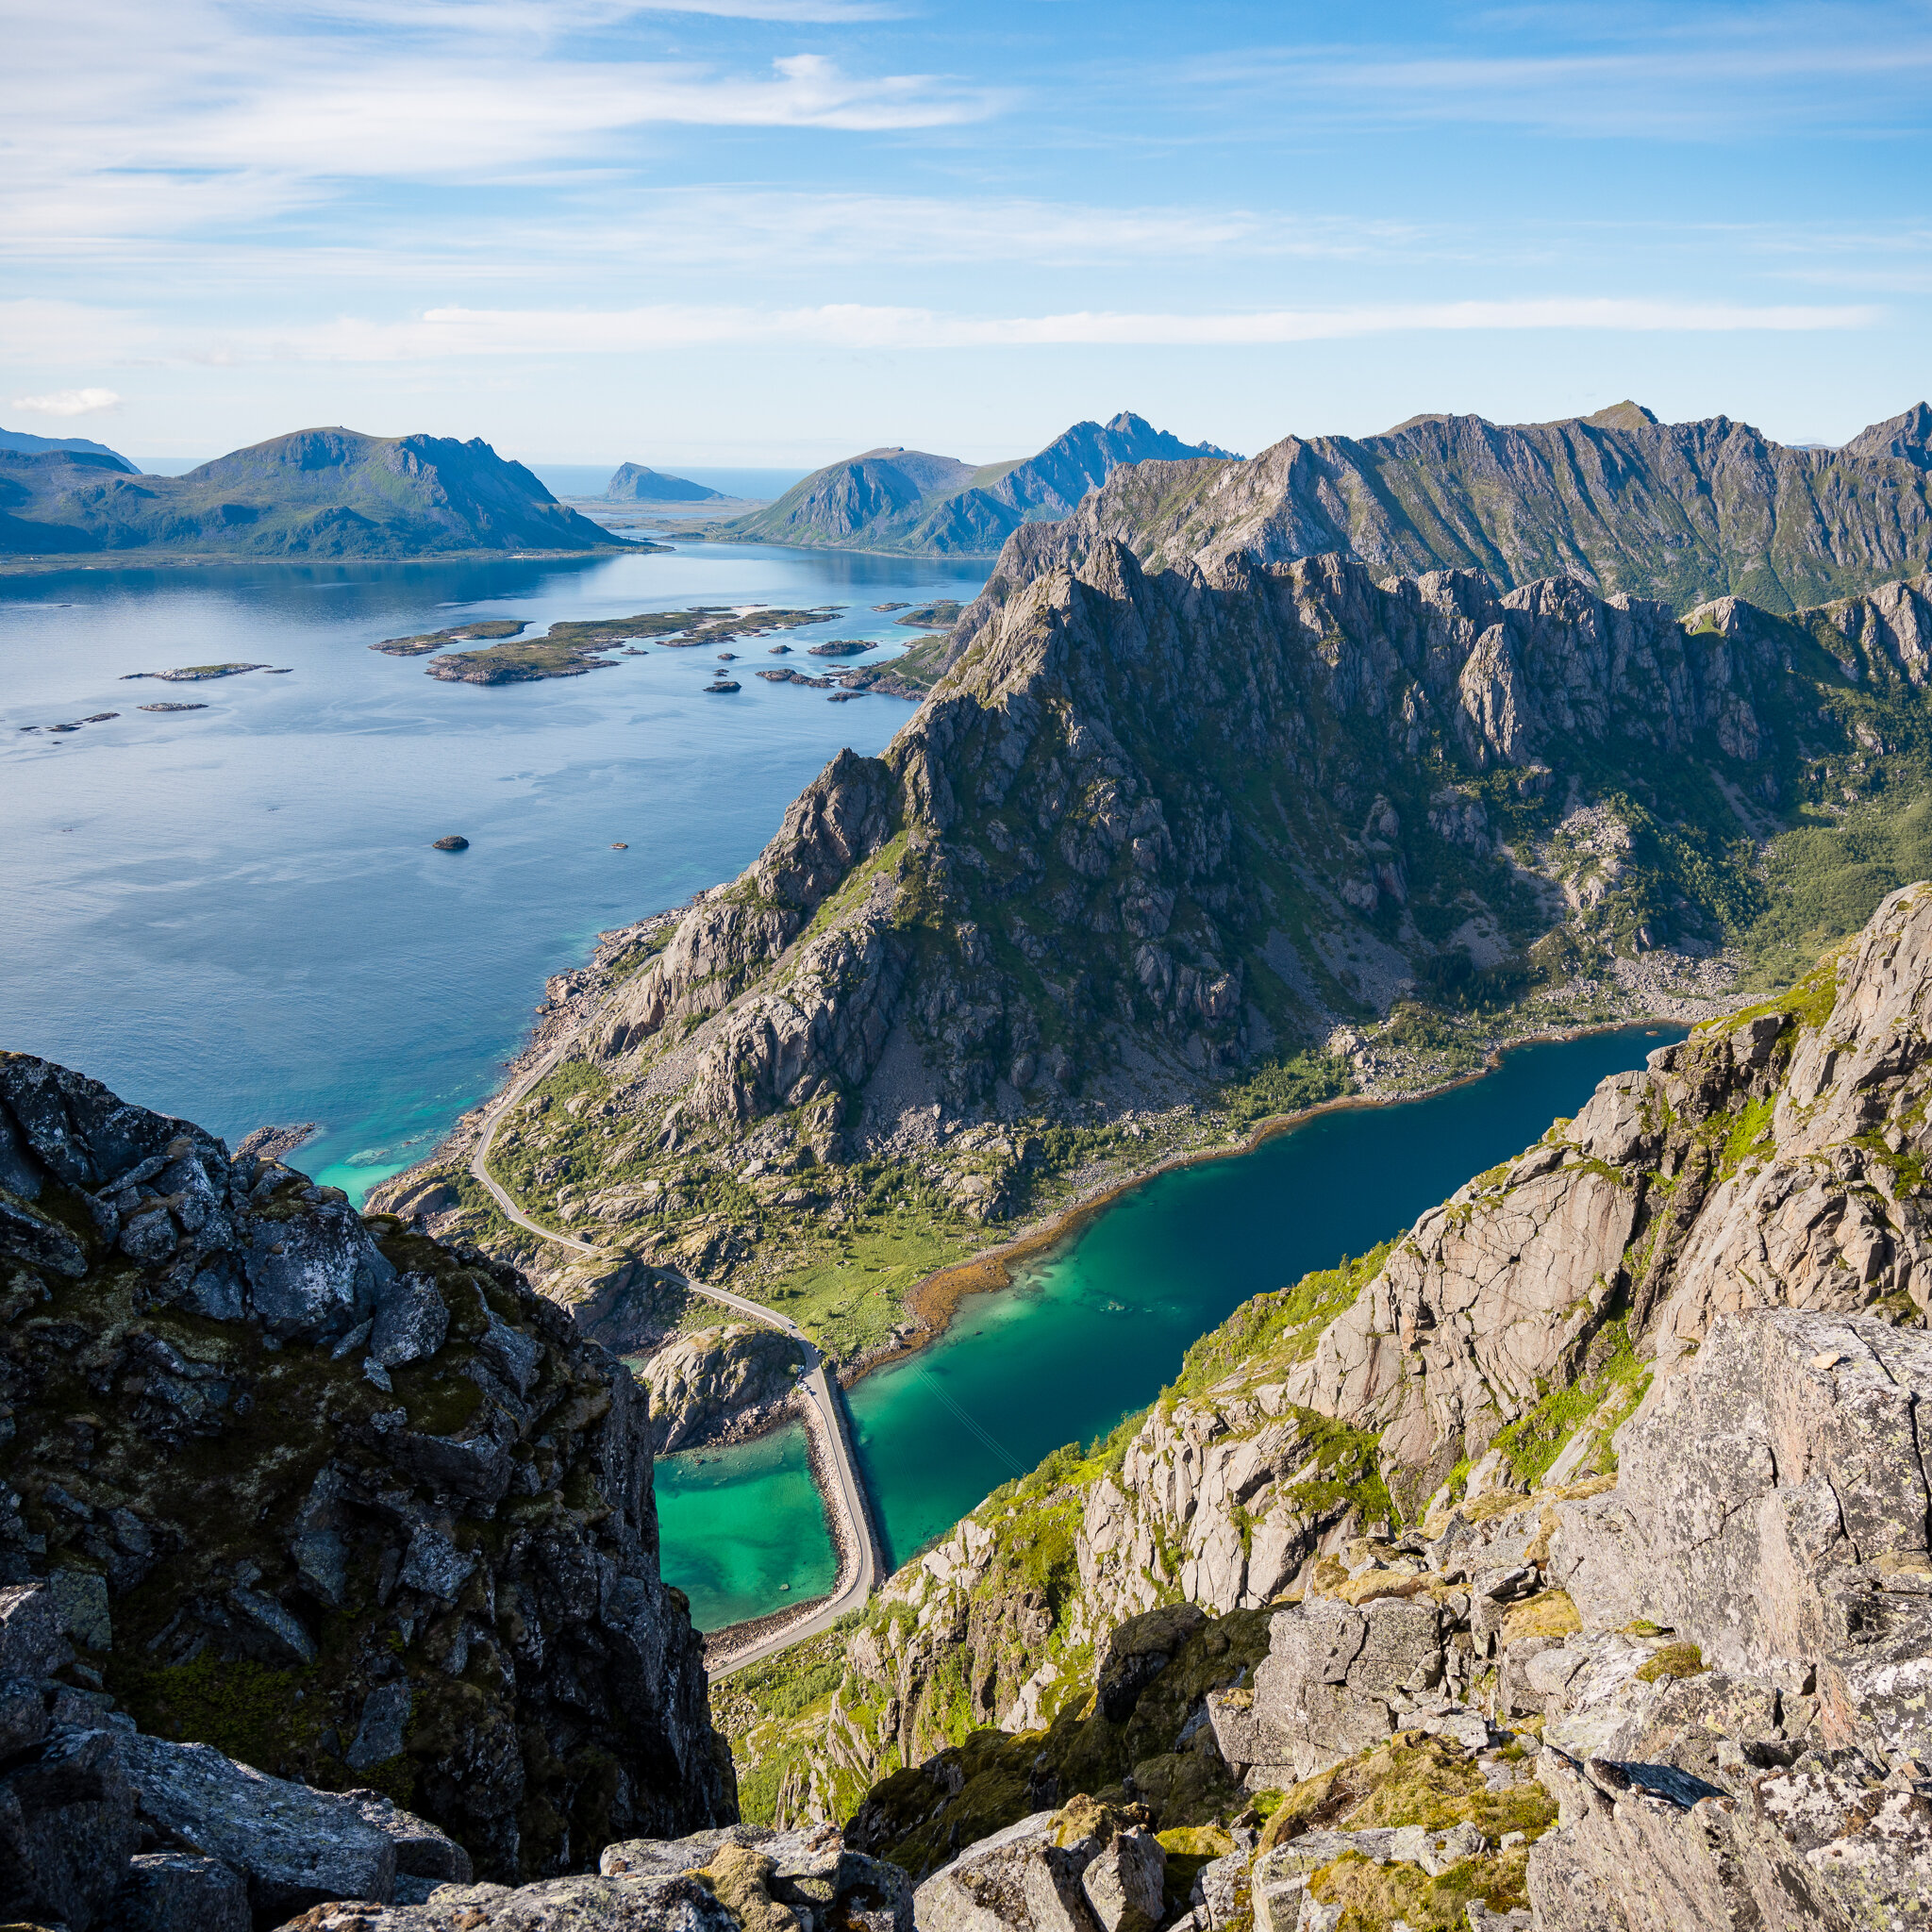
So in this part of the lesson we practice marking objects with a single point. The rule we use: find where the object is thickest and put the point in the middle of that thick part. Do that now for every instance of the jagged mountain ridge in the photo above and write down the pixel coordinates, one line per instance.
(316, 492)
(914, 502)
(1080, 776)
(1684, 512)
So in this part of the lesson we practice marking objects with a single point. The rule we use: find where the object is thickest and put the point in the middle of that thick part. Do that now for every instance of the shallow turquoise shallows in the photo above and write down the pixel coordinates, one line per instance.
(1094, 1329)
(744, 1522)
(234, 913)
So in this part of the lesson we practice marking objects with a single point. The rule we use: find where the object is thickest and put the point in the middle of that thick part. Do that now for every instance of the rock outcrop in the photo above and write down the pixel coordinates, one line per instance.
(1568, 1560)
(354, 1506)
(713, 1382)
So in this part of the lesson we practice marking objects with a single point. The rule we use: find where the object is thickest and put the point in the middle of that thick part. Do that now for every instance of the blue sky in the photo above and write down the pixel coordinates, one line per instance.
(776, 231)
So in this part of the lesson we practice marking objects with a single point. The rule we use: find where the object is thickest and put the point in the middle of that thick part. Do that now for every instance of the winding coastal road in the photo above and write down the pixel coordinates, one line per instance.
(844, 1496)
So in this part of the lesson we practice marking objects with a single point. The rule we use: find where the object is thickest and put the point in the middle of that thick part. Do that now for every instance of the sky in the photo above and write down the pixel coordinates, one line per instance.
(780, 231)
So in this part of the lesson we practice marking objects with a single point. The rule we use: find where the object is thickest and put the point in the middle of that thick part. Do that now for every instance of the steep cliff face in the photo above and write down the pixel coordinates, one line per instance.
(1149, 832)
(1683, 512)
(354, 1506)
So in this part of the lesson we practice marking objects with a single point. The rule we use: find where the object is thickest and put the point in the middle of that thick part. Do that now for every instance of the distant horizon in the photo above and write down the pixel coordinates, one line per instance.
(766, 233)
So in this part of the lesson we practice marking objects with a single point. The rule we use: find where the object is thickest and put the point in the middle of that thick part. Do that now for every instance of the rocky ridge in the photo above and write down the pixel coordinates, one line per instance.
(1150, 834)
(353, 1506)
(1594, 1510)
(1683, 512)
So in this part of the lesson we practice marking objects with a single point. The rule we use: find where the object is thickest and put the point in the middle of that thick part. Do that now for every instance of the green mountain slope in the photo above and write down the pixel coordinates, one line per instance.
(317, 492)
(1683, 511)
(911, 501)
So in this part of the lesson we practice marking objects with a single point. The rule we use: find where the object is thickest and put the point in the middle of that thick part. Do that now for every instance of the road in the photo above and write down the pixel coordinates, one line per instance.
(859, 1560)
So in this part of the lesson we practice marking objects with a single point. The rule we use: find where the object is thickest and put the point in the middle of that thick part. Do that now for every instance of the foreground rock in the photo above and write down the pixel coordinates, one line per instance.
(713, 1381)
(352, 1506)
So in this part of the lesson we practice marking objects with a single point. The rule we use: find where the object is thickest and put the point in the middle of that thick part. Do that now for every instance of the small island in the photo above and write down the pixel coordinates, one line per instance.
(841, 647)
(174, 708)
(192, 673)
(452, 841)
(457, 634)
(942, 613)
(569, 650)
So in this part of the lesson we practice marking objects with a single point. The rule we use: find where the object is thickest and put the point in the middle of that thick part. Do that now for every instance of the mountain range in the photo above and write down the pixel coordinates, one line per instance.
(911, 501)
(31, 445)
(315, 493)
(635, 483)
(1679, 512)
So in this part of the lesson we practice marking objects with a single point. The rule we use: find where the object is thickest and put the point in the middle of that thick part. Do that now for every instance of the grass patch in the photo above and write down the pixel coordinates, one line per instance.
(1674, 1660)
(1285, 1086)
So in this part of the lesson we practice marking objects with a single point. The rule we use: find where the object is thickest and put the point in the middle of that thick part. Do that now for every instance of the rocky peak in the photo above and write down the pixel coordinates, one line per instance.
(1906, 437)
(353, 1506)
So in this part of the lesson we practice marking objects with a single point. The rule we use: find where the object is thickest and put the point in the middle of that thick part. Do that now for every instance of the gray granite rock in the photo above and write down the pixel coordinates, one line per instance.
(1125, 1884)
(181, 1892)
(1018, 1880)
(67, 1829)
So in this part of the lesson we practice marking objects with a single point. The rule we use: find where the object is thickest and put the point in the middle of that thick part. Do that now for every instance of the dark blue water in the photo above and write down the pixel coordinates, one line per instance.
(234, 915)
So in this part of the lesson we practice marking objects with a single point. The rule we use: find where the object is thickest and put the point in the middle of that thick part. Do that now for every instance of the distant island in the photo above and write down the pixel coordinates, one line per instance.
(917, 504)
(635, 483)
(19, 441)
(314, 493)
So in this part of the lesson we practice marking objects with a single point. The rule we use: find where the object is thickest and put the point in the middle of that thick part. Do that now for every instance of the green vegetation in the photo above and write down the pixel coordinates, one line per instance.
(425, 641)
(1824, 880)
(1613, 1380)
(1674, 1660)
(1285, 1086)
(570, 649)
(1270, 1331)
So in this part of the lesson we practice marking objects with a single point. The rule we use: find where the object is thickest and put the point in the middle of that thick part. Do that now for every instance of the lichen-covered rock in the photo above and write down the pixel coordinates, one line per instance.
(354, 1506)
(582, 1904)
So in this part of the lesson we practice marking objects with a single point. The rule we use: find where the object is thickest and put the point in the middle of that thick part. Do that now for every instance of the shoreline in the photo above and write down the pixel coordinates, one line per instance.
(18, 566)
(936, 1298)
(725, 1646)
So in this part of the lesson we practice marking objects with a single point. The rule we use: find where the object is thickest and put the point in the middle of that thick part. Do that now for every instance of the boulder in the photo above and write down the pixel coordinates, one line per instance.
(1125, 1884)
(67, 1830)
(181, 1892)
(1018, 1880)
(584, 1903)
(295, 1847)
(1336, 1677)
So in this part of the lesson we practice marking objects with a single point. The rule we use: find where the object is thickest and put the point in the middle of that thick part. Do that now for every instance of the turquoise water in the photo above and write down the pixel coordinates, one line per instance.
(1092, 1331)
(233, 914)
(743, 1525)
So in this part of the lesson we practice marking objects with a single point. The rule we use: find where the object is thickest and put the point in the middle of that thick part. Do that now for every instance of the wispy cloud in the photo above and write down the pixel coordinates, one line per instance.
(439, 334)
(204, 114)
(69, 402)
(1643, 70)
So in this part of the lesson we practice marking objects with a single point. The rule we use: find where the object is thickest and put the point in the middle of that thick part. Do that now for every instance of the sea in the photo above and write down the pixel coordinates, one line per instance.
(1096, 1327)
(235, 914)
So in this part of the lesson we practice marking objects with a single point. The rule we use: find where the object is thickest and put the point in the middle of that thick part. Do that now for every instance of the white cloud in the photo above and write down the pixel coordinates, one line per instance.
(439, 334)
(69, 402)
